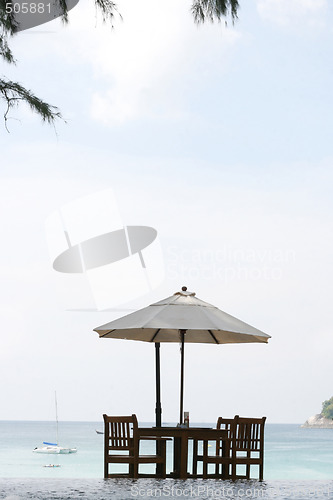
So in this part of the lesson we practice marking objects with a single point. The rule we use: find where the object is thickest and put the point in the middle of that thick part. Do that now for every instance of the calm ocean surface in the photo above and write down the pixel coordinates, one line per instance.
(298, 464)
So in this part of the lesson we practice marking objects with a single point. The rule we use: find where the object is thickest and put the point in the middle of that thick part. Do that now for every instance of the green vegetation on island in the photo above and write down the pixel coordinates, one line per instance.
(327, 410)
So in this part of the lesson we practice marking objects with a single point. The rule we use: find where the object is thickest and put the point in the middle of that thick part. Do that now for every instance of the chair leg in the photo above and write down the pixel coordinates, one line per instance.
(195, 457)
(225, 472)
(204, 461)
(225, 466)
(261, 472)
(131, 470)
(233, 470)
(161, 468)
(106, 466)
(135, 470)
(164, 462)
(248, 466)
(163, 471)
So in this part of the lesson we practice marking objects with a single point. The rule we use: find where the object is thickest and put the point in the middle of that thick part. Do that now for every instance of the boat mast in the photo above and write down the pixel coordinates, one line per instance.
(56, 410)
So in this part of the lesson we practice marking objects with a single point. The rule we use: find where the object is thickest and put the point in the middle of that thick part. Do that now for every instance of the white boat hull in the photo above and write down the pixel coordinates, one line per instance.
(55, 450)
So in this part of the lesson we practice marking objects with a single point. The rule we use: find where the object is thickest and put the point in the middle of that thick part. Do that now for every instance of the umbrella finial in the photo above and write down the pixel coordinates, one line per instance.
(185, 293)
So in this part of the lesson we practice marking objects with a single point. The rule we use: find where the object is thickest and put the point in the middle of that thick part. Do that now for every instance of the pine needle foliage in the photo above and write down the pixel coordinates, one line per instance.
(13, 93)
(211, 10)
(5, 51)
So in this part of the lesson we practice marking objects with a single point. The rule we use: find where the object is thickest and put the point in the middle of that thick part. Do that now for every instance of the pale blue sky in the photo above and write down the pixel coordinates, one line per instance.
(221, 140)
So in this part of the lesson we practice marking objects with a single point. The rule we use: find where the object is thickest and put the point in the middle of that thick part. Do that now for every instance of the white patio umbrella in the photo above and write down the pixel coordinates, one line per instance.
(180, 318)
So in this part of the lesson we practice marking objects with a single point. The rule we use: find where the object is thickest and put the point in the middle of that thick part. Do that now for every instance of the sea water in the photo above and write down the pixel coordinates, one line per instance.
(298, 465)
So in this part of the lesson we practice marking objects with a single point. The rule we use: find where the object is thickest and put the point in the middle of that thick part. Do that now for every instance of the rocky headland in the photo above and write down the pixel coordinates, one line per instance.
(318, 422)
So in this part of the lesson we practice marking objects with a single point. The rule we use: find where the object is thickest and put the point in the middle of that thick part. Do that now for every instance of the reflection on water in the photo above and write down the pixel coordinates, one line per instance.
(126, 489)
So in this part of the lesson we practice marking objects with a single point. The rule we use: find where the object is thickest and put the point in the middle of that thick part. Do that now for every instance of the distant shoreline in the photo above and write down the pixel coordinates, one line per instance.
(318, 422)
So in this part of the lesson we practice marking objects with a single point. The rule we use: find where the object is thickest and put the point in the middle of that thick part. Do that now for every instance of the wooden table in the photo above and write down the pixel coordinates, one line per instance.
(181, 437)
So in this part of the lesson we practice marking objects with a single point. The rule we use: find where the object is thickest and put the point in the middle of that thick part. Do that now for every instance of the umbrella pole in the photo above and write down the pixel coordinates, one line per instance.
(158, 408)
(182, 338)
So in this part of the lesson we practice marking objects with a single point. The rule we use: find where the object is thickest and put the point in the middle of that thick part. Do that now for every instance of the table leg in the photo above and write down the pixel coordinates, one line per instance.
(183, 457)
(180, 450)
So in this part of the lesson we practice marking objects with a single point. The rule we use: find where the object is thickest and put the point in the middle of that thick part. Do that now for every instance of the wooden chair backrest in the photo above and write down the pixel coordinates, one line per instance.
(248, 434)
(227, 424)
(120, 432)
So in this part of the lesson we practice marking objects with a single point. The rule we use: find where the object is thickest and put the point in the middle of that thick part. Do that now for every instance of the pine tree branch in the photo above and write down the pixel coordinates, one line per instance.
(5, 51)
(211, 10)
(107, 9)
(8, 23)
(13, 93)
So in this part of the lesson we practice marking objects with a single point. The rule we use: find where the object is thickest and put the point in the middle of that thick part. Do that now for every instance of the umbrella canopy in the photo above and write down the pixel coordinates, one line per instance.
(181, 318)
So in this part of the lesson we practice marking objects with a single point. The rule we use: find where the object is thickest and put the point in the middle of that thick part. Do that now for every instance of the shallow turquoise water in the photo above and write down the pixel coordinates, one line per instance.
(298, 464)
(290, 451)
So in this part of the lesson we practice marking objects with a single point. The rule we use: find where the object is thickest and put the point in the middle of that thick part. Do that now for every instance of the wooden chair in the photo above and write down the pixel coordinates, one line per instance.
(222, 452)
(121, 435)
(247, 446)
(229, 425)
(221, 446)
(243, 446)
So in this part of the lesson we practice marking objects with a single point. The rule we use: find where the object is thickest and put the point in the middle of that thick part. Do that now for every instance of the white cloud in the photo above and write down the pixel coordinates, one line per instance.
(145, 67)
(148, 63)
(309, 13)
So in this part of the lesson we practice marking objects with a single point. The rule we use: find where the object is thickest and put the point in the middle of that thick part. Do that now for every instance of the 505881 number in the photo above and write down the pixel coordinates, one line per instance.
(28, 8)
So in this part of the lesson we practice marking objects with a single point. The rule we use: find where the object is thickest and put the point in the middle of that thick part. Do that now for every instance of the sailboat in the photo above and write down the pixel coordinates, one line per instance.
(54, 448)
